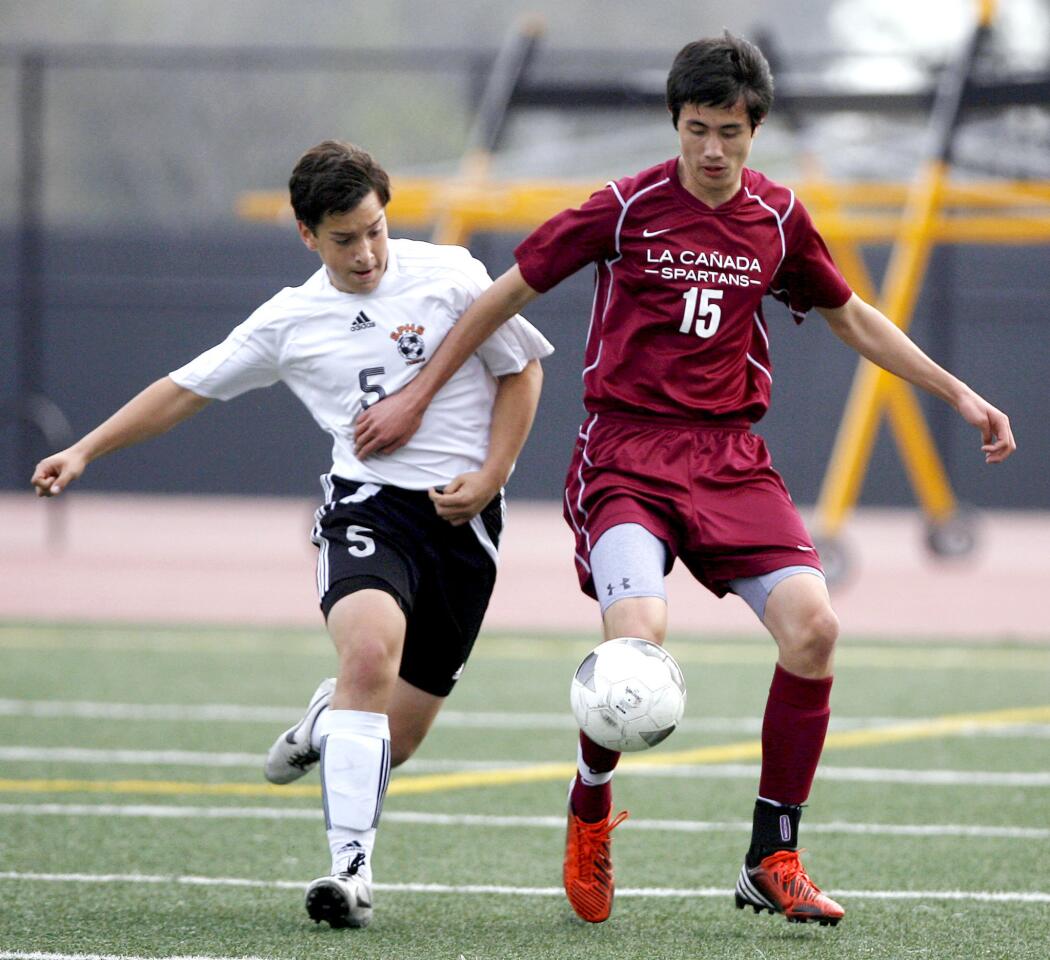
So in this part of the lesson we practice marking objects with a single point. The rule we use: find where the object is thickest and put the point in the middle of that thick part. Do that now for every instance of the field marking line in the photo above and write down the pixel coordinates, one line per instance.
(251, 761)
(950, 725)
(149, 757)
(996, 896)
(37, 955)
(283, 716)
(27, 753)
(827, 773)
(182, 812)
(468, 719)
(102, 710)
(747, 750)
(160, 787)
(971, 778)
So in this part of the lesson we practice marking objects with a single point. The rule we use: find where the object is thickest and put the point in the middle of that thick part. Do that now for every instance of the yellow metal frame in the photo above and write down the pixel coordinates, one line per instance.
(923, 224)
(875, 390)
(987, 211)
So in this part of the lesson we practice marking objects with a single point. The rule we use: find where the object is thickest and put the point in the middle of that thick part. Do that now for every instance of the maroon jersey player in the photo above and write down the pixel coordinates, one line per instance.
(663, 255)
(666, 466)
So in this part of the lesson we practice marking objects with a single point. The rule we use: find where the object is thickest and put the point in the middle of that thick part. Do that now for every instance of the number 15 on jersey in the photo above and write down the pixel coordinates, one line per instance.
(702, 312)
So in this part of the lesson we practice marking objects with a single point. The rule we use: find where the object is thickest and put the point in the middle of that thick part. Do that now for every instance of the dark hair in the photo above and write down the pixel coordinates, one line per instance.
(717, 72)
(334, 177)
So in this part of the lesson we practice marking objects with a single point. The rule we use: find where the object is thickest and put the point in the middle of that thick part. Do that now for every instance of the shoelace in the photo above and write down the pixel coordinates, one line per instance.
(792, 876)
(301, 760)
(597, 834)
(354, 865)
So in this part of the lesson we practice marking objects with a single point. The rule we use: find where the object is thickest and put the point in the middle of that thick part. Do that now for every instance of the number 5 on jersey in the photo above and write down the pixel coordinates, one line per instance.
(706, 314)
(357, 543)
(364, 378)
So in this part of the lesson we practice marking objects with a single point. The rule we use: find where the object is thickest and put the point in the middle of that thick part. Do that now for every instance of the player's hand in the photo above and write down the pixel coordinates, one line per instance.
(53, 474)
(387, 425)
(464, 497)
(998, 439)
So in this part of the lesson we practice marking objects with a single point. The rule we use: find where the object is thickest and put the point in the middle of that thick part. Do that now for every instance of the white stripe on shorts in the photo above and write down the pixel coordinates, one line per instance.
(478, 526)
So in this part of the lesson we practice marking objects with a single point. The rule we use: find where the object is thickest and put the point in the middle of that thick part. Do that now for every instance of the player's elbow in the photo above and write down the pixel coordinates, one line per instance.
(533, 373)
(843, 318)
(529, 379)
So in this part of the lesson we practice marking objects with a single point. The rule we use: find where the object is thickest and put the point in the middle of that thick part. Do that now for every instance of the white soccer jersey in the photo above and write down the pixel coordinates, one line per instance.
(340, 352)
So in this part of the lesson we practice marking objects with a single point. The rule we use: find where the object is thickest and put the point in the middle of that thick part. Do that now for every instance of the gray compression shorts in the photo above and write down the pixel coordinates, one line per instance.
(629, 561)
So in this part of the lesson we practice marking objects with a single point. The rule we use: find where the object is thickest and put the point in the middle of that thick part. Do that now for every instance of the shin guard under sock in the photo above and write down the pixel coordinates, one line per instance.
(591, 797)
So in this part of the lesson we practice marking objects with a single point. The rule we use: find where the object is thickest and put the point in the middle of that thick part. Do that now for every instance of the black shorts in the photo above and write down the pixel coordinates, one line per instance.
(371, 536)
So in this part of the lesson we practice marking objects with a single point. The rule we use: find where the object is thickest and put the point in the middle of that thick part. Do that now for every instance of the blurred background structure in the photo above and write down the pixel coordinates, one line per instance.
(149, 144)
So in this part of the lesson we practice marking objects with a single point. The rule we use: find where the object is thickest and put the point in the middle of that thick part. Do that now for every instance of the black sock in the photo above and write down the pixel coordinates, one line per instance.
(774, 827)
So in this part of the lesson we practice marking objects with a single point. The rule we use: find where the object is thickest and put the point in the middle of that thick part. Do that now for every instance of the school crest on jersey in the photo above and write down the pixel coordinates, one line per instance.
(409, 340)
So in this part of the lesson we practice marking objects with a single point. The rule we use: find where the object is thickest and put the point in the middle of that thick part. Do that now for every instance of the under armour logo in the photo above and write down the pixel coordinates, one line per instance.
(624, 584)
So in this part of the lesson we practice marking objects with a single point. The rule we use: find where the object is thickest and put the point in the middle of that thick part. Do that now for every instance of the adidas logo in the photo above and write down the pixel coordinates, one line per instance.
(361, 322)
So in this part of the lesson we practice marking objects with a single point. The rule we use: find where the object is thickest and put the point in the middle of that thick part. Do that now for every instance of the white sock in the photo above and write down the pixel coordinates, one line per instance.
(355, 771)
(587, 776)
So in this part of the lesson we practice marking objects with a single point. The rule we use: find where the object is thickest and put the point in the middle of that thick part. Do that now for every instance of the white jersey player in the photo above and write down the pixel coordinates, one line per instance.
(339, 352)
(407, 542)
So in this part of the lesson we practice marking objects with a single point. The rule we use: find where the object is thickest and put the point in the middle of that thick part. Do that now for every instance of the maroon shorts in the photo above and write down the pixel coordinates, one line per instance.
(708, 491)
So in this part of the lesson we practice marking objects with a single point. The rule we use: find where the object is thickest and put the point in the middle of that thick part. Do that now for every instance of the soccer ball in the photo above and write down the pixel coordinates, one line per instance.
(628, 694)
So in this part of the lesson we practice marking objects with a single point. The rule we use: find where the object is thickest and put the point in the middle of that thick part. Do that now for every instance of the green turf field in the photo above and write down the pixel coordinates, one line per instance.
(134, 820)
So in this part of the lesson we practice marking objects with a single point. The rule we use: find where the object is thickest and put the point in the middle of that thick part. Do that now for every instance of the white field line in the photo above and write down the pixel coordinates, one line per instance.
(481, 820)
(994, 896)
(282, 716)
(726, 771)
(36, 955)
(152, 758)
(942, 778)
(26, 753)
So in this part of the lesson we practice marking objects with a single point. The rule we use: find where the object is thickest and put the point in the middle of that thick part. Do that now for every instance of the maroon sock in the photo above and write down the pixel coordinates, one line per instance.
(593, 804)
(793, 730)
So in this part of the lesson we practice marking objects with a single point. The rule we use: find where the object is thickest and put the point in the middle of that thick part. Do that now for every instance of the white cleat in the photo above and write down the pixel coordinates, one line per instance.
(291, 755)
(343, 900)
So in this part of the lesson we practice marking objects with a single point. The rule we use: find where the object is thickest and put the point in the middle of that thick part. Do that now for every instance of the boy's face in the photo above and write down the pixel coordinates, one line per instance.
(352, 245)
(715, 143)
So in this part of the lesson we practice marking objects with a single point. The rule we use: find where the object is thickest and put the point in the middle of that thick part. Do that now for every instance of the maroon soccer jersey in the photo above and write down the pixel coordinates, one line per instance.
(676, 326)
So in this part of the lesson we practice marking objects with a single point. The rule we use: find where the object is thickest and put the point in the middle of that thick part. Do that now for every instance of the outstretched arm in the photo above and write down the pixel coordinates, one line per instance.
(390, 423)
(875, 336)
(152, 412)
(512, 414)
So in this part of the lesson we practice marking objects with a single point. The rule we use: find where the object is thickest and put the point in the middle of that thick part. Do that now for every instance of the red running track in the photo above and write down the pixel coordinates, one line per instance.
(147, 559)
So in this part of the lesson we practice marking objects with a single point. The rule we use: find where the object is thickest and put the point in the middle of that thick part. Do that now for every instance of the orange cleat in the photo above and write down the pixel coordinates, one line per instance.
(588, 869)
(780, 884)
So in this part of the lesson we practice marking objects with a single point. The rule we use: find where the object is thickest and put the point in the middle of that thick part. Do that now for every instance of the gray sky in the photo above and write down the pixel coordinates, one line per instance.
(612, 24)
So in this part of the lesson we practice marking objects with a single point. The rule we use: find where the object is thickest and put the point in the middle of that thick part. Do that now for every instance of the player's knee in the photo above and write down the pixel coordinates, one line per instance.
(816, 636)
(368, 663)
(644, 629)
(644, 617)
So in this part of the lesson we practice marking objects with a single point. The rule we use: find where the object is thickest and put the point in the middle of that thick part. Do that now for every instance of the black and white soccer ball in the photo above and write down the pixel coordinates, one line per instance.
(628, 694)
(411, 346)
